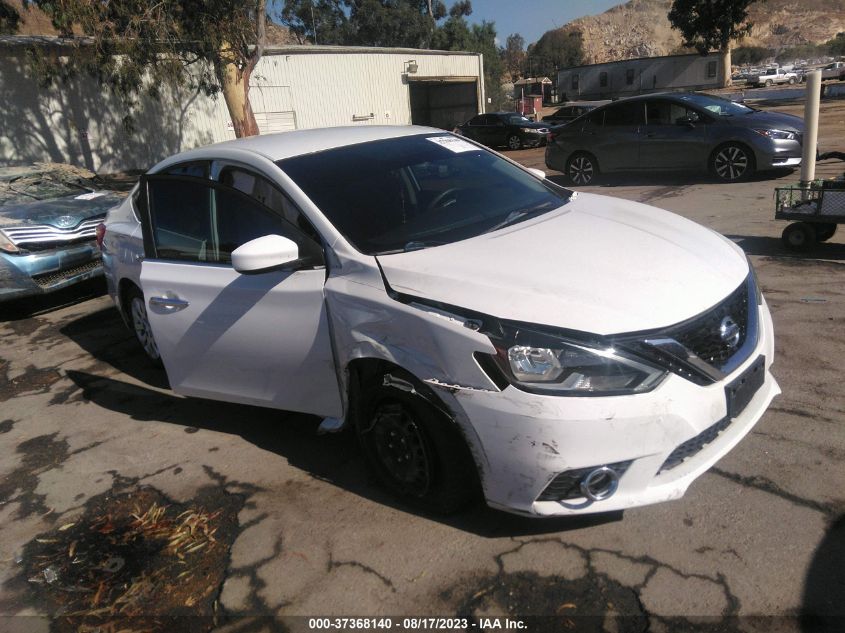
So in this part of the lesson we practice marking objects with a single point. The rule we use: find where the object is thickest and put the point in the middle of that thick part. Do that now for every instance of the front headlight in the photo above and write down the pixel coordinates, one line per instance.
(779, 135)
(537, 362)
(7, 245)
(528, 130)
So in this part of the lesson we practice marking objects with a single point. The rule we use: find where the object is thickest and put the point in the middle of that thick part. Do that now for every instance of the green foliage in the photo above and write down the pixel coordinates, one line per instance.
(751, 54)
(317, 21)
(834, 47)
(710, 24)
(556, 49)
(513, 55)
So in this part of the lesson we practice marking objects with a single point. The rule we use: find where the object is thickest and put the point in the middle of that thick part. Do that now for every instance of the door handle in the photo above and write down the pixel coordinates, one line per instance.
(172, 304)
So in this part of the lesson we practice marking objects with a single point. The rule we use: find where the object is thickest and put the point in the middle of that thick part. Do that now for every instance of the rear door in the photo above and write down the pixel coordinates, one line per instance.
(616, 144)
(258, 339)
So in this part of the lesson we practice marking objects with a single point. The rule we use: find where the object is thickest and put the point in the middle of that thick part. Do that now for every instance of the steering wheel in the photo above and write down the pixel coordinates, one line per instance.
(440, 197)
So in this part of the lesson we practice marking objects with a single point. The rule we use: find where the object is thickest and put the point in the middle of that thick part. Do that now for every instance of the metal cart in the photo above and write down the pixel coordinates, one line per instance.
(815, 211)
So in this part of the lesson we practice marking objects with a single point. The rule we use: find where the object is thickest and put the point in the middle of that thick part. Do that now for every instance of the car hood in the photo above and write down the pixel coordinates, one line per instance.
(65, 212)
(597, 264)
(778, 120)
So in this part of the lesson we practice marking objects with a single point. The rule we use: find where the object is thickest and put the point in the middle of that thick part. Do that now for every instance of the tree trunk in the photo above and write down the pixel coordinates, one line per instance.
(726, 65)
(235, 84)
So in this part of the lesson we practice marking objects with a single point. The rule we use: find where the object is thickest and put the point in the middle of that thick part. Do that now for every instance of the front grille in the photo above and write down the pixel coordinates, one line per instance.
(703, 336)
(44, 234)
(694, 445)
(51, 279)
(567, 485)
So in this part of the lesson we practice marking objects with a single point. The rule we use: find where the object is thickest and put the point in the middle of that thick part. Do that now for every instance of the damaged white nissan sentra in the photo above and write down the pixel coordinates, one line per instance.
(471, 320)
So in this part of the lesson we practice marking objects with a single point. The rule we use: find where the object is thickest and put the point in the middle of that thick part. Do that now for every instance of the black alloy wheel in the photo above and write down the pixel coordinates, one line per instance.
(732, 162)
(581, 169)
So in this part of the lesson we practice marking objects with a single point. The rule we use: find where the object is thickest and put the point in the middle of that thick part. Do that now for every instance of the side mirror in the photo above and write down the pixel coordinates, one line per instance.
(264, 253)
(537, 172)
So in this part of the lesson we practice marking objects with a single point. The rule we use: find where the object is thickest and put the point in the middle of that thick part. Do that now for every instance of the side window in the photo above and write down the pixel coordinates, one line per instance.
(629, 76)
(196, 221)
(659, 113)
(603, 79)
(258, 187)
(624, 114)
(477, 120)
(596, 118)
(194, 169)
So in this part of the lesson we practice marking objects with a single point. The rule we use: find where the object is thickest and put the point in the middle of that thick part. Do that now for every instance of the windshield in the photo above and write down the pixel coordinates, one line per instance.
(518, 119)
(414, 192)
(716, 105)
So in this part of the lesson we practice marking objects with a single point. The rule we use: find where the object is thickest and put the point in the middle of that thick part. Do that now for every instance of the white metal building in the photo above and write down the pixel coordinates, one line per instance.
(292, 87)
(638, 76)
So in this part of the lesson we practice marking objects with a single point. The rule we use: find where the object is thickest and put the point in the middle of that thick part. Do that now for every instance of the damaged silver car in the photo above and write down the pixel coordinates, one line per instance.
(474, 323)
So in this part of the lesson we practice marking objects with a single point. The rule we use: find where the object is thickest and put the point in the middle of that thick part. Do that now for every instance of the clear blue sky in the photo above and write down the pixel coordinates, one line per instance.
(532, 18)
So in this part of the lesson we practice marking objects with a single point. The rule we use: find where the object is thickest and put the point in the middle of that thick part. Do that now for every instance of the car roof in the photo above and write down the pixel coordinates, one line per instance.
(283, 145)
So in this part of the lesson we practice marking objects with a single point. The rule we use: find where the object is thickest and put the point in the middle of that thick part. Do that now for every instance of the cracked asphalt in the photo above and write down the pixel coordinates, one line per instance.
(757, 543)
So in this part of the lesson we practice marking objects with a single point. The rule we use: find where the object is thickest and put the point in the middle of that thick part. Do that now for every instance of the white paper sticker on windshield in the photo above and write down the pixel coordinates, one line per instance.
(452, 143)
(90, 196)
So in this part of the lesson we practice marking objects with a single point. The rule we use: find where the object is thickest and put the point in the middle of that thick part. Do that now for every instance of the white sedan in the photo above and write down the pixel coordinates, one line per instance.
(477, 325)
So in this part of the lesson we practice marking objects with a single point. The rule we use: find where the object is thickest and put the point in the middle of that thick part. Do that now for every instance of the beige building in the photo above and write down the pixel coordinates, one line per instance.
(293, 87)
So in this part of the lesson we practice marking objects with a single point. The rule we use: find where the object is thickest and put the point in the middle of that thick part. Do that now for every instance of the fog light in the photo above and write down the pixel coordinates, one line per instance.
(600, 484)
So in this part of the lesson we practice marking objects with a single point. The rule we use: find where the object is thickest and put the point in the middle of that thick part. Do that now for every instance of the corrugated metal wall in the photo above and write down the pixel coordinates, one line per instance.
(81, 123)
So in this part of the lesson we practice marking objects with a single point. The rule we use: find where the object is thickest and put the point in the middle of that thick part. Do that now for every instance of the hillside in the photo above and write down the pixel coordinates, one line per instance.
(640, 28)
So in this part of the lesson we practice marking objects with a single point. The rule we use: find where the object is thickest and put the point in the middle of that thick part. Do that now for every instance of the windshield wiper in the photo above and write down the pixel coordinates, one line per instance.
(417, 245)
(518, 216)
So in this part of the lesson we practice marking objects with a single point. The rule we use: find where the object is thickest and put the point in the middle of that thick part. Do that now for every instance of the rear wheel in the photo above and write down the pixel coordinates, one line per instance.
(769, 83)
(514, 142)
(732, 162)
(581, 169)
(140, 322)
(799, 235)
(824, 231)
(414, 449)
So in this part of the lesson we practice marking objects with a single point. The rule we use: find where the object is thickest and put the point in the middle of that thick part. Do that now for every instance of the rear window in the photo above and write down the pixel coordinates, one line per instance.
(419, 191)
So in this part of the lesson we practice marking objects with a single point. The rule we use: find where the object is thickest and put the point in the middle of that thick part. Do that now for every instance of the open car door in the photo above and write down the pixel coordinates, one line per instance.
(260, 338)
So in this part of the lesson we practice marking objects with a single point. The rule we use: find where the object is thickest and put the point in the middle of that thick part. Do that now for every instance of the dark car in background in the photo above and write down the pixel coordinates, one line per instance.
(677, 131)
(569, 112)
(509, 129)
(48, 221)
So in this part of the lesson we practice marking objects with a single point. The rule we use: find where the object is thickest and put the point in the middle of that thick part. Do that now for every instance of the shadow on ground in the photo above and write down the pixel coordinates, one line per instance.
(331, 458)
(32, 306)
(823, 609)
(657, 178)
(774, 248)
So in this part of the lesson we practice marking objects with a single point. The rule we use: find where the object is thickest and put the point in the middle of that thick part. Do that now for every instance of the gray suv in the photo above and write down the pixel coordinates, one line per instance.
(678, 131)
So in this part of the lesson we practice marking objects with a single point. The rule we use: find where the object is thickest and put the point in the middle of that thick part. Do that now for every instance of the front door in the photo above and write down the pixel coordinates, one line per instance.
(675, 137)
(258, 339)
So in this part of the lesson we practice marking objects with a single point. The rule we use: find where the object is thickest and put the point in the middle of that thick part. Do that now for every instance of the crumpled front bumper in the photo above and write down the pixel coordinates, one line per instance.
(525, 440)
(41, 272)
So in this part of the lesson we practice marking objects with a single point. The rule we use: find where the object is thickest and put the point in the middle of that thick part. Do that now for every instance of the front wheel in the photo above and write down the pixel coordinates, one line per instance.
(732, 162)
(414, 449)
(581, 169)
(514, 142)
(791, 81)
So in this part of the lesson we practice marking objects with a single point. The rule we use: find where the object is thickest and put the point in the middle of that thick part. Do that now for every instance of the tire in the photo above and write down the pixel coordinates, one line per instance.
(732, 162)
(514, 142)
(136, 311)
(769, 83)
(581, 169)
(791, 81)
(799, 236)
(413, 448)
(824, 231)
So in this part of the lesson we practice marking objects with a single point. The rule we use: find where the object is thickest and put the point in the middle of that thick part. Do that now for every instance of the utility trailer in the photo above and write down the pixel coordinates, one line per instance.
(814, 211)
